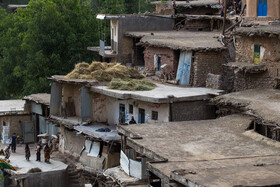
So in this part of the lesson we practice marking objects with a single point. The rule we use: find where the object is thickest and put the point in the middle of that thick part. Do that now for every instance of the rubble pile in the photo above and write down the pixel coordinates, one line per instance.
(118, 76)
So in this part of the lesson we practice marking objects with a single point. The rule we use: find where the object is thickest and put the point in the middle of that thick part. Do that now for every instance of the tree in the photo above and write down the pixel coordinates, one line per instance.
(46, 38)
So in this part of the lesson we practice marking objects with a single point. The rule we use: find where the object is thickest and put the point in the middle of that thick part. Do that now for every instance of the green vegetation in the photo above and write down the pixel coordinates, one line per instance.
(48, 38)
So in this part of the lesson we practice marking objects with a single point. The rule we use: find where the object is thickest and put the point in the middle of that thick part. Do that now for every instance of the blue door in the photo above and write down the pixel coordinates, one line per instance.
(262, 8)
(184, 68)
(159, 63)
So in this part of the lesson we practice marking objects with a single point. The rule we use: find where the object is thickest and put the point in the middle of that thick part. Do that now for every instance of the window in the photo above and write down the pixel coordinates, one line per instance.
(154, 115)
(131, 109)
(257, 54)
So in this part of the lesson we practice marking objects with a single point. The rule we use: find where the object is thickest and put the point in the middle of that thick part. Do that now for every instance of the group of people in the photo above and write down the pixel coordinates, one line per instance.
(12, 146)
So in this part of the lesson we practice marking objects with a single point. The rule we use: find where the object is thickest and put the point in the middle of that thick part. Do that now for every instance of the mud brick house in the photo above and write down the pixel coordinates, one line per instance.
(14, 119)
(257, 57)
(218, 152)
(121, 48)
(39, 107)
(182, 55)
(198, 7)
(162, 104)
(263, 9)
(82, 108)
(95, 145)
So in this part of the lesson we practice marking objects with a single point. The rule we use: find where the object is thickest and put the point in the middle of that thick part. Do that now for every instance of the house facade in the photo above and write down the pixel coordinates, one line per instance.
(15, 119)
(263, 9)
(257, 57)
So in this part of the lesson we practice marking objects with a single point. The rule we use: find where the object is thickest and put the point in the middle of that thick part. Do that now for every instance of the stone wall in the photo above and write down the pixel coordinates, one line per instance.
(270, 58)
(204, 63)
(194, 110)
(168, 56)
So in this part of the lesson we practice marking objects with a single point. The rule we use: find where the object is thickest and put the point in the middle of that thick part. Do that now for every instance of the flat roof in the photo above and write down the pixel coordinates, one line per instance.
(91, 130)
(180, 40)
(63, 79)
(161, 94)
(222, 145)
(41, 98)
(194, 3)
(11, 106)
(261, 103)
(258, 30)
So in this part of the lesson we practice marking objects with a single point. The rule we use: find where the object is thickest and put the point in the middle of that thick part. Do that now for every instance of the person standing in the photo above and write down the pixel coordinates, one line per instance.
(27, 152)
(7, 152)
(38, 153)
(47, 151)
(14, 142)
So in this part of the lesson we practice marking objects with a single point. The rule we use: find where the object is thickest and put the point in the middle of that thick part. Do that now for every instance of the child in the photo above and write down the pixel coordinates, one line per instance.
(27, 152)
(38, 153)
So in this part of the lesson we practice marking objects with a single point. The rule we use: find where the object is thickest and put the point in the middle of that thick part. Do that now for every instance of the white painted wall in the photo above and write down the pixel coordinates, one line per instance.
(106, 110)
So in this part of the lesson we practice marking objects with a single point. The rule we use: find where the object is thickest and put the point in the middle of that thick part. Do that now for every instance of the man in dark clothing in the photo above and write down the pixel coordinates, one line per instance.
(14, 142)
(132, 121)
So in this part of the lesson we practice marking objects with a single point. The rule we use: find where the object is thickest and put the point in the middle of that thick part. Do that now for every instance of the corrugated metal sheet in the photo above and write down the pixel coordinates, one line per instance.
(36, 108)
(52, 129)
(28, 132)
(124, 162)
(56, 94)
(86, 104)
(42, 125)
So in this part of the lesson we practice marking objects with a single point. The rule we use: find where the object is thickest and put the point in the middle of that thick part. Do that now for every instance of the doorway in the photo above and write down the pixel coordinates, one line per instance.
(122, 113)
(141, 115)
(159, 63)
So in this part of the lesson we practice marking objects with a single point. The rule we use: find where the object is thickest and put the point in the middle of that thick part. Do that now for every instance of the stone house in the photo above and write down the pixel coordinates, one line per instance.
(257, 57)
(15, 119)
(185, 56)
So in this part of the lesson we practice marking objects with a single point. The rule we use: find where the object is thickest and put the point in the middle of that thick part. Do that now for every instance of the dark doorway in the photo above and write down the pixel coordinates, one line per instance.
(141, 116)
(122, 113)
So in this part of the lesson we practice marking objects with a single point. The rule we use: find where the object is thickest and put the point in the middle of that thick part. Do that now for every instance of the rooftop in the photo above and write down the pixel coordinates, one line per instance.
(220, 147)
(11, 106)
(260, 103)
(91, 130)
(160, 94)
(63, 79)
(41, 98)
(183, 40)
(260, 30)
(193, 3)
